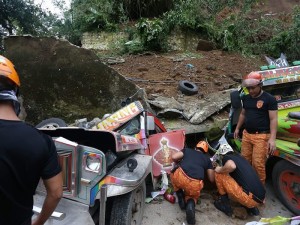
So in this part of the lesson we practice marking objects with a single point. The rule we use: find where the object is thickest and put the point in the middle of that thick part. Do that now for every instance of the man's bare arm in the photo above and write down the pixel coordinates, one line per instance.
(54, 188)
(227, 168)
(239, 124)
(177, 156)
(273, 115)
(211, 175)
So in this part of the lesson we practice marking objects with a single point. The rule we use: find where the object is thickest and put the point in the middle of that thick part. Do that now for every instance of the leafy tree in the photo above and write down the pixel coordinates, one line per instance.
(19, 16)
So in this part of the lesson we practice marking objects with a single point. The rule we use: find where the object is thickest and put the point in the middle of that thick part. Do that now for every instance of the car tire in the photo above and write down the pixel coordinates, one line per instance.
(129, 208)
(52, 123)
(286, 182)
(187, 87)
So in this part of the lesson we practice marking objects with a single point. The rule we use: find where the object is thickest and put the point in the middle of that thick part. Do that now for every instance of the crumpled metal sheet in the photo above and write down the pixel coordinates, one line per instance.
(193, 110)
(161, 102)
(216, 121)
(213, 103)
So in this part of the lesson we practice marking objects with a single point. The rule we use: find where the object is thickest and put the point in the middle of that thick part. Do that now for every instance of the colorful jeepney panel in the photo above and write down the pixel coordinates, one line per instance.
(162, 146)
(281, 75)
(129, 143)
(120, 117)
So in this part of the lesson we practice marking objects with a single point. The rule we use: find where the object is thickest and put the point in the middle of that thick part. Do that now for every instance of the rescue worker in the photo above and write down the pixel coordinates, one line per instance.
(237, 180)
(26, 155)
(187, 179)
(259, 118)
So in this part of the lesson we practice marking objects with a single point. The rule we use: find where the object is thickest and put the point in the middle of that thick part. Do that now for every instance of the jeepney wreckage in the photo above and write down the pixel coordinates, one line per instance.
(106, 168)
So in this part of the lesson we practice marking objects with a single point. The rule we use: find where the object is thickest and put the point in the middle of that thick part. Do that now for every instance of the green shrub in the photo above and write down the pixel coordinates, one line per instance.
(152, 34)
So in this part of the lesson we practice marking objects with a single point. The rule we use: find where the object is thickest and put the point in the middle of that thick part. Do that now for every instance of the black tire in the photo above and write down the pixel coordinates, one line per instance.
(129, 208)
(187, 87)
(286, 182)
(235, 99)
(52, 123)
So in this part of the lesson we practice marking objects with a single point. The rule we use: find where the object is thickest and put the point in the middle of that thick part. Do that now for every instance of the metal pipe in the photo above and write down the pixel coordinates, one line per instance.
(103, 197)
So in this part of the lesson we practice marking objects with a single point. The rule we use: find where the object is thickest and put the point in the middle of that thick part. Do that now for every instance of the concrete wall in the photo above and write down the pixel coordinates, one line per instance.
(105, 41)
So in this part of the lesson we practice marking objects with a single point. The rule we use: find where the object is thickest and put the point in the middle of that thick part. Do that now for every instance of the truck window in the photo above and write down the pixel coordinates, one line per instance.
(132, 127)
(284, 92)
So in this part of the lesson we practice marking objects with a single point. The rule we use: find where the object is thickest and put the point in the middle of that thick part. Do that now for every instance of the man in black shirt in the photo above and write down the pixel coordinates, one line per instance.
(26, 155)
(238, 180)
(259, 117)
(187, 180)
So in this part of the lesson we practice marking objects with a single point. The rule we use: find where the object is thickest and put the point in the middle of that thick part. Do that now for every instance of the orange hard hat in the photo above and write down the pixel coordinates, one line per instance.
(203, 145)
(252, 79)
(7, 70)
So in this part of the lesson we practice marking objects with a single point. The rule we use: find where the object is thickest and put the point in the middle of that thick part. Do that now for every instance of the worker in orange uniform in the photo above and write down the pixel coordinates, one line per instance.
(236, 179)
(259, 118)
(187, 180)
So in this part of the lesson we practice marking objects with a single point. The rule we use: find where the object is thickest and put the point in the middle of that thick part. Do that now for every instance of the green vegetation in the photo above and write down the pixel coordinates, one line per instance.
(232, 25)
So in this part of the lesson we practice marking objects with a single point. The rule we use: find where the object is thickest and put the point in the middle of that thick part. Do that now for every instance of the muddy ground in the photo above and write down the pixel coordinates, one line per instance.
(210, 70)
(163, 212)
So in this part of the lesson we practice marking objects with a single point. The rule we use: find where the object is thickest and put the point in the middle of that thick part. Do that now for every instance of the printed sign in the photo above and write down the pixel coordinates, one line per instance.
(162, 146)
(284, 75)
(120, 117)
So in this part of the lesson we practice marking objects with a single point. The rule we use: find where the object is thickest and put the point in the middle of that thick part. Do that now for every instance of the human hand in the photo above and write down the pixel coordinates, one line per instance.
(236, 133)
(36, 222)
(214, 164)
(218, 169)
(271, 146)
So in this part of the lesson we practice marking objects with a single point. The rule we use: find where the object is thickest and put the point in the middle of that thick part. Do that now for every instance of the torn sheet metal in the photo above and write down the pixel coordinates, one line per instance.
(216, 121)
(193, 111)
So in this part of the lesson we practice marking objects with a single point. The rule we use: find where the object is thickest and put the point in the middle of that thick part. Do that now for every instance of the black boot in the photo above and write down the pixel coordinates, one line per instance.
(223, 204)
(253, 211)
(180, 196)
(190, 211)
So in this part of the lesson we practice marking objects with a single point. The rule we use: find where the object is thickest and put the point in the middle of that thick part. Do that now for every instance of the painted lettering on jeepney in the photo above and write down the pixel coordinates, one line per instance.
(130, 143)
(123, 115)
(129, 140)
(282, 75)
(286, 105)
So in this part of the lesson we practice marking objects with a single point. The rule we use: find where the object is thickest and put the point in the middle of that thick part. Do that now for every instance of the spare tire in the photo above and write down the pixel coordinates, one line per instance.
(187, 87)
(52, 123)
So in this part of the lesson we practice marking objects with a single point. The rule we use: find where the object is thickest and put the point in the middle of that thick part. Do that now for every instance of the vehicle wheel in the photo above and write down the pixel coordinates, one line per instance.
(52, 123)
(235, 100)
(187, 87)
(286, 181)
(128, 209)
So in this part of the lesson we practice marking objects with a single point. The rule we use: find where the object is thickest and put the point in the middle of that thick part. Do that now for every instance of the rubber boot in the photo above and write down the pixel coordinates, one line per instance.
(190, 211)
(180, 196)
(253, 211)
(223, 204)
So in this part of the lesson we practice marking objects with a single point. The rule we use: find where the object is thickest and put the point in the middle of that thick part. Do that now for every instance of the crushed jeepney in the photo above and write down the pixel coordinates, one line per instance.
(107, 168)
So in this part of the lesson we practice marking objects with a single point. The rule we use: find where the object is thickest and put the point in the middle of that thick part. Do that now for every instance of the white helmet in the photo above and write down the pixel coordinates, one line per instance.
(224, 149)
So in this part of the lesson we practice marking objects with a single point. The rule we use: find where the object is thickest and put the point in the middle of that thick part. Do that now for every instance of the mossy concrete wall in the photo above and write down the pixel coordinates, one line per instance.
(107, 41)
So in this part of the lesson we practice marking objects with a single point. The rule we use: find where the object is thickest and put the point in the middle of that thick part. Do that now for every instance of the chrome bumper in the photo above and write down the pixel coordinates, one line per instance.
(66, 213)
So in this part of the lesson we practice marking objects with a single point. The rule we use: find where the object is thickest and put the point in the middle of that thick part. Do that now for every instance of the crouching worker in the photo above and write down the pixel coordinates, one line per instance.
(237, 180)
(187, 179)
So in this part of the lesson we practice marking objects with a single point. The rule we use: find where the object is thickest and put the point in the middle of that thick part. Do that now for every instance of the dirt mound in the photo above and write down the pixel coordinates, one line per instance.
(211, 71)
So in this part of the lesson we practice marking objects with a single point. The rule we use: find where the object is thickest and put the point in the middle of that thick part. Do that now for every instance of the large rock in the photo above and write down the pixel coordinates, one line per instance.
(59, 79)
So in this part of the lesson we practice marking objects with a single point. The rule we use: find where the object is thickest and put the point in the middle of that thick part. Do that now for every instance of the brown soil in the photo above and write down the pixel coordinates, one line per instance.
(211, 71)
